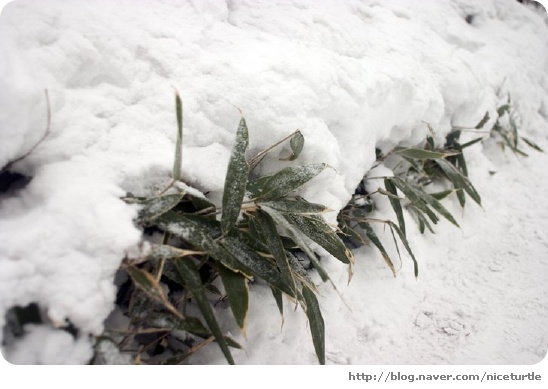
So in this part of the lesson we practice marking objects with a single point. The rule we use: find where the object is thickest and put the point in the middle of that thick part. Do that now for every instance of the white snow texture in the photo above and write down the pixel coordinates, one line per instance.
(352, 75)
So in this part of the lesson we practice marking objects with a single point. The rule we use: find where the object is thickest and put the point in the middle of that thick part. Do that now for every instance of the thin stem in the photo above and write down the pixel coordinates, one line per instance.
(256, 159)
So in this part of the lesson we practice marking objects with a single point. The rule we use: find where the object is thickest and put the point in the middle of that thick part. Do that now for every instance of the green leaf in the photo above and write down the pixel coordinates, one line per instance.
(254, 264)
(274, 243)
(395, 202)
(415, 196)
(255, 188)
(403, 239)
(156, 206)
(532, 144)
(372, 236)
(423, 154)
(321, 233)
(237, 291)
(459, 181)
(441, 195)
(191, 278)
(316, 323)
(295, 206)
(289, 179)
(299, 272)
(179, 146)
(296, 143)
(236, 180)
(483, 121)
(147, 283)
(279, 301)
(191, 325)
(299, 238)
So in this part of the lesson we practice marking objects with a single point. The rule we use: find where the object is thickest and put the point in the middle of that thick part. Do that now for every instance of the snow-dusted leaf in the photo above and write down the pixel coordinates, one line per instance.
(295, 206)
(320, 232)
(156, 206)
(237, 292)
(289, 179)
(316, 323)
(191, 279)
(423, 154)
(459, 181)
(178, 160)
(147, 283)
(296, 143)
(252, 263)
(372, 236)
(236, 179)
(395, 202)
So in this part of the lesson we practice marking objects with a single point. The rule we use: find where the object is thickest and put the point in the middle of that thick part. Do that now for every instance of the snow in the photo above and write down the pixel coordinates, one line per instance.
(351, 76)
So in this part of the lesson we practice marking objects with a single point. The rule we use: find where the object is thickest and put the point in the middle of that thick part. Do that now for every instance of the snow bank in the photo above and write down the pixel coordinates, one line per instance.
(351, 75)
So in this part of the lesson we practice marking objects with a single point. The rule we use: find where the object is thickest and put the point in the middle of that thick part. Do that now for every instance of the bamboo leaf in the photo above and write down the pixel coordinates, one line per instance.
(414, 196)
(532, 144)
(254, 264)
(316, 323)
(279, 301)
(299, 238)
(423, 154)
(472, 142)
(403, 239)
(372, 236)
(147, 283)
(274, 243)
(441, 195)
(295, 206)
(321, 233)
(191, 278)
(395, 202)
(296, 143)
(178, 160)
(289, 179)
(237, 291)
(459, 180)
(236, 179)
(156, 206)
(482, 122)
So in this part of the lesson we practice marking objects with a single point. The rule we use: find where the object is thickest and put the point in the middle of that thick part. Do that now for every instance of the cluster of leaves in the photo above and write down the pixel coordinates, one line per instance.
(416, 169)
(507, 129)
(262, 231)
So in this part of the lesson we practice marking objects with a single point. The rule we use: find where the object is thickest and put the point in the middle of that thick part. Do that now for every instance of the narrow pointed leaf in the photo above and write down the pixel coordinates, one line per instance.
(274, 243)
(395, 202)
(468, 144)
(441, 195)
(423, 154)
(237, 292)
(279, 301)
(414, 195)
(299, 238)
(296, 143)
(459, 180)
(236, 180)
(289, 179)
(372, 236)
(532, 144)
(295, 206)
(321, 233)
(156, 206)
(403, 239)
(483, 121)
(316, 323)
(147, 283)
(179, 145)
(191, 278)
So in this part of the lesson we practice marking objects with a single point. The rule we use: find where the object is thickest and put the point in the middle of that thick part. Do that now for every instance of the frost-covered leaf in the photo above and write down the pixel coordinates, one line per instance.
(372, 236)
(321, 233)
(423, 154)
(296, 143)
(156, 206)
(295, 206)
(459, 181)
(274, 243)
(178, 160)
(236, 179)
(191, 278)
(237, 292)
(289, 179)
(316, 323)
(395, 202)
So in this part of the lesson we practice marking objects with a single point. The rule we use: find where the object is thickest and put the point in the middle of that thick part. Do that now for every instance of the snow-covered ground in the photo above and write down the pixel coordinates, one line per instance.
(352, 76)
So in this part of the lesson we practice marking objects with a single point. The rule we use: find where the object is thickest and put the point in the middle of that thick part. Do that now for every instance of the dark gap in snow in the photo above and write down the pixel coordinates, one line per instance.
(12, 181)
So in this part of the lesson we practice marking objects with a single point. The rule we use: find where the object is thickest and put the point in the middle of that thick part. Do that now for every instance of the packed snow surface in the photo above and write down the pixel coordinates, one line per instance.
(352, 76)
